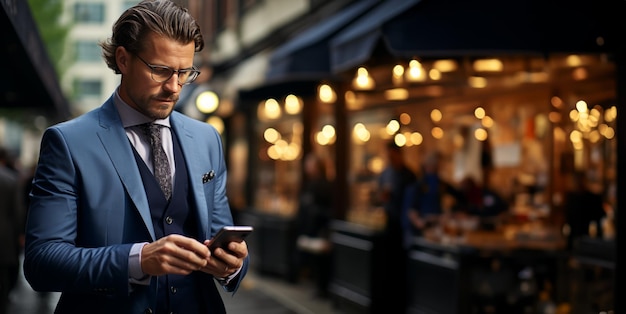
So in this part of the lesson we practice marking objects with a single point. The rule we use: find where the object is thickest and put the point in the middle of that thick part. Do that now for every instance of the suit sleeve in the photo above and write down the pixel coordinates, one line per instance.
(54, 259)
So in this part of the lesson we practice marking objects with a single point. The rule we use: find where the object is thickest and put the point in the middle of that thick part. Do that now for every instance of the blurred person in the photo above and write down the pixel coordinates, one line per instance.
(313, 224)
(481, 203)
(101, 228)
(479, 200)
(424, 200)
(10, 228)
(584, 209)
(392, 184)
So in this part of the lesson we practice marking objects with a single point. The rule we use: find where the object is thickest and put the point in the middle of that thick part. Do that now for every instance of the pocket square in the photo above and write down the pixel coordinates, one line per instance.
(208, 176)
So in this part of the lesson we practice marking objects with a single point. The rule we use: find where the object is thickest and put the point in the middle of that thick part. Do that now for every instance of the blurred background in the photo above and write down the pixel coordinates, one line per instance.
(519, 99)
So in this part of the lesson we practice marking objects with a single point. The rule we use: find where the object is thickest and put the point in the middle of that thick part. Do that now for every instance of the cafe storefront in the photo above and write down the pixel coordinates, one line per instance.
(291, 115)
(534, 88)
(538, 128)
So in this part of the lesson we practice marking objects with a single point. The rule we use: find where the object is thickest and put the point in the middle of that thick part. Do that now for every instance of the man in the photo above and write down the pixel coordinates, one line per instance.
(10, 228)
(313, 224)
(392, 183)
(424, 200)
(105, 231)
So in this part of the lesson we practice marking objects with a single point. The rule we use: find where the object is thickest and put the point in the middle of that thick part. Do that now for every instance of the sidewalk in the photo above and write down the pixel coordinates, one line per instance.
(297, 298)
(259, 294)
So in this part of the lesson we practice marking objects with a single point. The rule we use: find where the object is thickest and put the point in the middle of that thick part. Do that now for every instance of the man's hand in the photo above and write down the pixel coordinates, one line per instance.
(174, 254)
(223, 263)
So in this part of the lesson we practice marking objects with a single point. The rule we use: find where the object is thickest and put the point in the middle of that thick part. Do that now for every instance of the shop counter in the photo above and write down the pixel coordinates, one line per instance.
(480, 271)
(484, 271)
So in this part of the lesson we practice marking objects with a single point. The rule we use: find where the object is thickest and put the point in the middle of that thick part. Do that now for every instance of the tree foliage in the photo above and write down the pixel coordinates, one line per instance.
(47, 14)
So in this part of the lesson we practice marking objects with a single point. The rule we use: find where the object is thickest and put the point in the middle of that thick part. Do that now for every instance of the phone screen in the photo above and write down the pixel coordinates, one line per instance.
(228, 234)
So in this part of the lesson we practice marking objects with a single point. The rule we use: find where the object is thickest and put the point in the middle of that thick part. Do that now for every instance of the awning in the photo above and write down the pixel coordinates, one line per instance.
(278, 90)
(449, 28)
(28, 79)
(307, 55)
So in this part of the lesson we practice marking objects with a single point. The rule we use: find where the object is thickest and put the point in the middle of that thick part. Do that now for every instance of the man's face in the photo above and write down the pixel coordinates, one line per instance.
(138, 89)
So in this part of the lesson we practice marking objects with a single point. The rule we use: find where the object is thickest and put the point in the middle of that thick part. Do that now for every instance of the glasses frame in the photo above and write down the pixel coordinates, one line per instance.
(193, 72)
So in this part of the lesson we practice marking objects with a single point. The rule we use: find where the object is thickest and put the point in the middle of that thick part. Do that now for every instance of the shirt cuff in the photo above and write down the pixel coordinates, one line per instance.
(135, 274)
(226, 281)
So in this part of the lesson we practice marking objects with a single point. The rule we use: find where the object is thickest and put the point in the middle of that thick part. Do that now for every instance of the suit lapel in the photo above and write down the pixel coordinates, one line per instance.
(193, 160)
(119, 150)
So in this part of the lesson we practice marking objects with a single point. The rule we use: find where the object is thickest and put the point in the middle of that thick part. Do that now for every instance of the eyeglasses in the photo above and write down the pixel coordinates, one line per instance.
(161, 73)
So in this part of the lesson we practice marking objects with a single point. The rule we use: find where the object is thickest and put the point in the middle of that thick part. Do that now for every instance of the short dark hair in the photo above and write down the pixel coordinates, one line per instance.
(162, 17)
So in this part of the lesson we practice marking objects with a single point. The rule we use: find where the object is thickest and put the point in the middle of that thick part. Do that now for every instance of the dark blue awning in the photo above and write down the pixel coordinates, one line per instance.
(307, 55)
(28, 80)
(449, 28)
(354, 45)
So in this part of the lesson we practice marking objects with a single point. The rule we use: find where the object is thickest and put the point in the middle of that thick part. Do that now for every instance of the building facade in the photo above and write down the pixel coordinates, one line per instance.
(88, 81)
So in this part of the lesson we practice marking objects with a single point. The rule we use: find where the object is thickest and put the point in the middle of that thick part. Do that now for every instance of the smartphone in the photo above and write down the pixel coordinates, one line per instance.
(228, 234)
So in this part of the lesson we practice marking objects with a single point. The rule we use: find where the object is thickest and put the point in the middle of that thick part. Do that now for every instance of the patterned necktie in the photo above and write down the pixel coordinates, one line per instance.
(162, 170)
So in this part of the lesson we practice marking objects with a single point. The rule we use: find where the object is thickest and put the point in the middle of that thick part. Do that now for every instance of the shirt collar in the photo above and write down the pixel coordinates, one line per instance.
(130, 116)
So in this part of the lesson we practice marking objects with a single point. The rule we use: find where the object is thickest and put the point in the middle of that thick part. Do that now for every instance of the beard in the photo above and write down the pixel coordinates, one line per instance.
(163, 111)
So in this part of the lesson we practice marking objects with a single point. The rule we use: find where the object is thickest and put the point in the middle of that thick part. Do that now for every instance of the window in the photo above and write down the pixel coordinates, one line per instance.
(87, 50)
(87, 88)
(128, 3)
(89, 12)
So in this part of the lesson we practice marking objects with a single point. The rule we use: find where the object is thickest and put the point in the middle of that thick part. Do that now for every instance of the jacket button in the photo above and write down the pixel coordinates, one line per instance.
(148, 311)
(169, 220)
(173, 289)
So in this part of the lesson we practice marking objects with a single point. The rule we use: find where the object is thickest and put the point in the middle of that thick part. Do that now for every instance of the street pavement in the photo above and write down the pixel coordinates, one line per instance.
(259, 294)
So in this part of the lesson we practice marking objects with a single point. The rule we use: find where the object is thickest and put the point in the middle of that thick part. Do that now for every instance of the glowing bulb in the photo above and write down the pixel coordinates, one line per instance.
(207, 102)
(363, 79)
(416, 71)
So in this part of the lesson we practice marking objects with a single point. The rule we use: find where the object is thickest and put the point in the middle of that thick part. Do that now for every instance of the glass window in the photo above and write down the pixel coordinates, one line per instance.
(89, 12)
(87, 50)
(521, 135)
(128, 3)
(277, 172)
(87, 88)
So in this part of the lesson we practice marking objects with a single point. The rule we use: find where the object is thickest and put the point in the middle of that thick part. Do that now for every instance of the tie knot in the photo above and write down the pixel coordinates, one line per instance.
(151, 129)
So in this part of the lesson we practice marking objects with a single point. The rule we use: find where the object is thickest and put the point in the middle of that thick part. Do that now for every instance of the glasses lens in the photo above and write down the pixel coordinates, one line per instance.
(183, 76)
(161, 74)
(187, 76)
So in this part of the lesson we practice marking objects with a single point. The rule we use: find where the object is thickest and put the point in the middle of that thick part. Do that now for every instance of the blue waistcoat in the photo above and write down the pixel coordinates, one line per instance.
(175, 293)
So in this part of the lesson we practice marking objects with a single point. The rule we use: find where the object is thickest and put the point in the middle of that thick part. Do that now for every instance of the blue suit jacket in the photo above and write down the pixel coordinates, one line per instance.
(88, 206)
